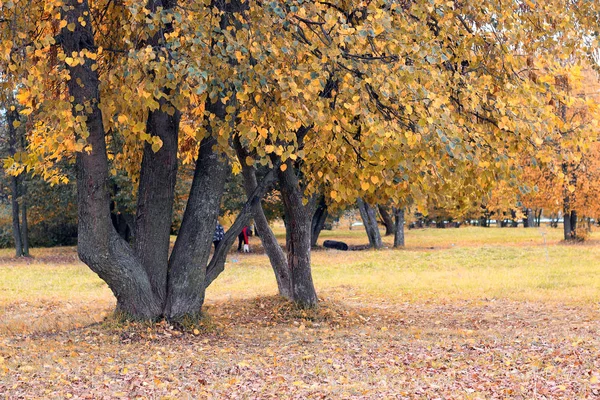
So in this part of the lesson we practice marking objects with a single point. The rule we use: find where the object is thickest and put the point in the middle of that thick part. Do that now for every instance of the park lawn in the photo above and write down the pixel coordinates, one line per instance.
(460, 313)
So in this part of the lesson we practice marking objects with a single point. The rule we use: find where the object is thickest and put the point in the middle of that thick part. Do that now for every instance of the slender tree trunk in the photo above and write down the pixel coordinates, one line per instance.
(217, 263)
(370, 222)
(24, 224)
(298, 226)
(388, 221)
(399, 225)
(567, 230)
(267, 237)
(99, 245)
(14, 188)
(11, 117)
(318, 220)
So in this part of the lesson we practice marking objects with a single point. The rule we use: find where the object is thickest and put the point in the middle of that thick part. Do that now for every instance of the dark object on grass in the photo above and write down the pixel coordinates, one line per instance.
(334, 244)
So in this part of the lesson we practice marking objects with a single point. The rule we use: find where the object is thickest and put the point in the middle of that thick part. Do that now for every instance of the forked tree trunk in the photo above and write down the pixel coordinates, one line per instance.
(267, 237)
(570, 224)
(399, 231)
(318, 220)
(147, 285)
(370, 222)
(298, 225)
(387, 219)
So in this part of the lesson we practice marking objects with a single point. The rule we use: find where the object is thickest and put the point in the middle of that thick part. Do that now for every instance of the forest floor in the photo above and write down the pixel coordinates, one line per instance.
(460, 313)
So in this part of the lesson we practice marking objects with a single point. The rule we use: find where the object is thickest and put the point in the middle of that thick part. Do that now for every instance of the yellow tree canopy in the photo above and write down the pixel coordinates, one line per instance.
(394, 92)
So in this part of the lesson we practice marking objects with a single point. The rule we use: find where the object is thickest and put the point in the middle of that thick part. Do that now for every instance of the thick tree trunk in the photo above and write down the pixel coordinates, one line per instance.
(529, 220)
(370, 222)
(484, 222)
(387, 219)
(155, 199)
(158, 175)
(99, 245)
(189, 274)
(574, 224)
(399, 231)
(567, 226)
(570, 225)
(187, 265)
(263, 230)
(318, 220)
(298, 226)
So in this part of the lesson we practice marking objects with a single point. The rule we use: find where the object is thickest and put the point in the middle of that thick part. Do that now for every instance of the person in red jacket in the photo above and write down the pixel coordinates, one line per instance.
(243, 239)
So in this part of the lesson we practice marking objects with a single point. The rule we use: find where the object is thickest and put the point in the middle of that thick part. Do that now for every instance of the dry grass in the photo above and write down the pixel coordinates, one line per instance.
(439, 264)
(53, 290)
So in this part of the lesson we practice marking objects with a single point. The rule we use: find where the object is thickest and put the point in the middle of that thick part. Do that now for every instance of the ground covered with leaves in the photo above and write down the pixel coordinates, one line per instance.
(265, 348)
(460, 314)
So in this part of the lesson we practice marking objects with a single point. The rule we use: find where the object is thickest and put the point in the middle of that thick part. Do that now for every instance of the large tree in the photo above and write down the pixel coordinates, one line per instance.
(348, 96)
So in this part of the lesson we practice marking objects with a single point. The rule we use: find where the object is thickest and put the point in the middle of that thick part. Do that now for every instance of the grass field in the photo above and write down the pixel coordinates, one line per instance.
(460, 313)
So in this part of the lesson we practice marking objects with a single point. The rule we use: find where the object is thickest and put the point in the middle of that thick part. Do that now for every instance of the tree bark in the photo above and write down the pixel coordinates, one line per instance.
(387, 219)
(24, 224)
(529, 220)
(318, 220)
(98, 244)
(189, 259)
(11, 117)
(574, 224)
(14, 188)
(158, 175)
(217, 263)
(155, 199)
(370, 222)
(263, 230)
(399, 231)
(298, 226)
(188, 270)
(567, 226)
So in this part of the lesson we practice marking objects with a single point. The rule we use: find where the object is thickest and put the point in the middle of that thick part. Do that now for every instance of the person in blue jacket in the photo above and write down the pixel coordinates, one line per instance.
(218, 235)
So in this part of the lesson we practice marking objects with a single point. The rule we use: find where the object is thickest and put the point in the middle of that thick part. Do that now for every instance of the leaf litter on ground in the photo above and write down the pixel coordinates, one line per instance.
(268, 348)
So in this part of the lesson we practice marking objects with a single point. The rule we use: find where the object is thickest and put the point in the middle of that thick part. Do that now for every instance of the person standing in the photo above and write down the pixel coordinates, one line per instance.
(243, 239)
(218, 235)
